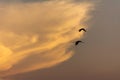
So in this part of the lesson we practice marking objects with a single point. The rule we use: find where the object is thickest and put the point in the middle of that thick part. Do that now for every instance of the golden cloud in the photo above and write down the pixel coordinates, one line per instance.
(38, 35)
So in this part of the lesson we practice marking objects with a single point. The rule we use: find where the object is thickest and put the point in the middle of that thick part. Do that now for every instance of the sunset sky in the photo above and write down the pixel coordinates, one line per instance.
(37, 40)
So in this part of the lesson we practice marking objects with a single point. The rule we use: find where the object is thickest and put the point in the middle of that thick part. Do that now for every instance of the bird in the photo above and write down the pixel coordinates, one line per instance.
(82, 29)
(77, 42)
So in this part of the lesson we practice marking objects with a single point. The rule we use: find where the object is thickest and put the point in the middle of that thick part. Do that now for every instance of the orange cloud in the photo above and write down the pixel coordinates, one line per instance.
(37, 35)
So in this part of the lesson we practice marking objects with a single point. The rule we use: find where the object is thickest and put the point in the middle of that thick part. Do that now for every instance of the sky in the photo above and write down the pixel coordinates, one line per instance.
(36, 40)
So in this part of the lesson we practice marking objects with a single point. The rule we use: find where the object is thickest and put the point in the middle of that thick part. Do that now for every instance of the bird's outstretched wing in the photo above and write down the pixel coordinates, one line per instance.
(82, 29)
(77, 42)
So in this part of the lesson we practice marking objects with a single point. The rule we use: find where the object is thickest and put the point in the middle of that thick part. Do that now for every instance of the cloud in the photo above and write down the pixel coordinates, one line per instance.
(32, 1)
(24, 1)
(38, 35)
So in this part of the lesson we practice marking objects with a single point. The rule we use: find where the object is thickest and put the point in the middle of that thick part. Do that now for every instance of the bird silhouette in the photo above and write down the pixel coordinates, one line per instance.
(77, 42)
(82, 29)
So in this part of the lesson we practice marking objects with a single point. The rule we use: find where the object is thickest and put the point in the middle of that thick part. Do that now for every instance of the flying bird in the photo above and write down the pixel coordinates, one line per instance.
(77, 42)
(82, 29)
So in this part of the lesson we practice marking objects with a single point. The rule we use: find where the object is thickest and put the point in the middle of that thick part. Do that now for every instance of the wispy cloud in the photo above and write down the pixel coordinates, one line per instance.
(37, 35)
